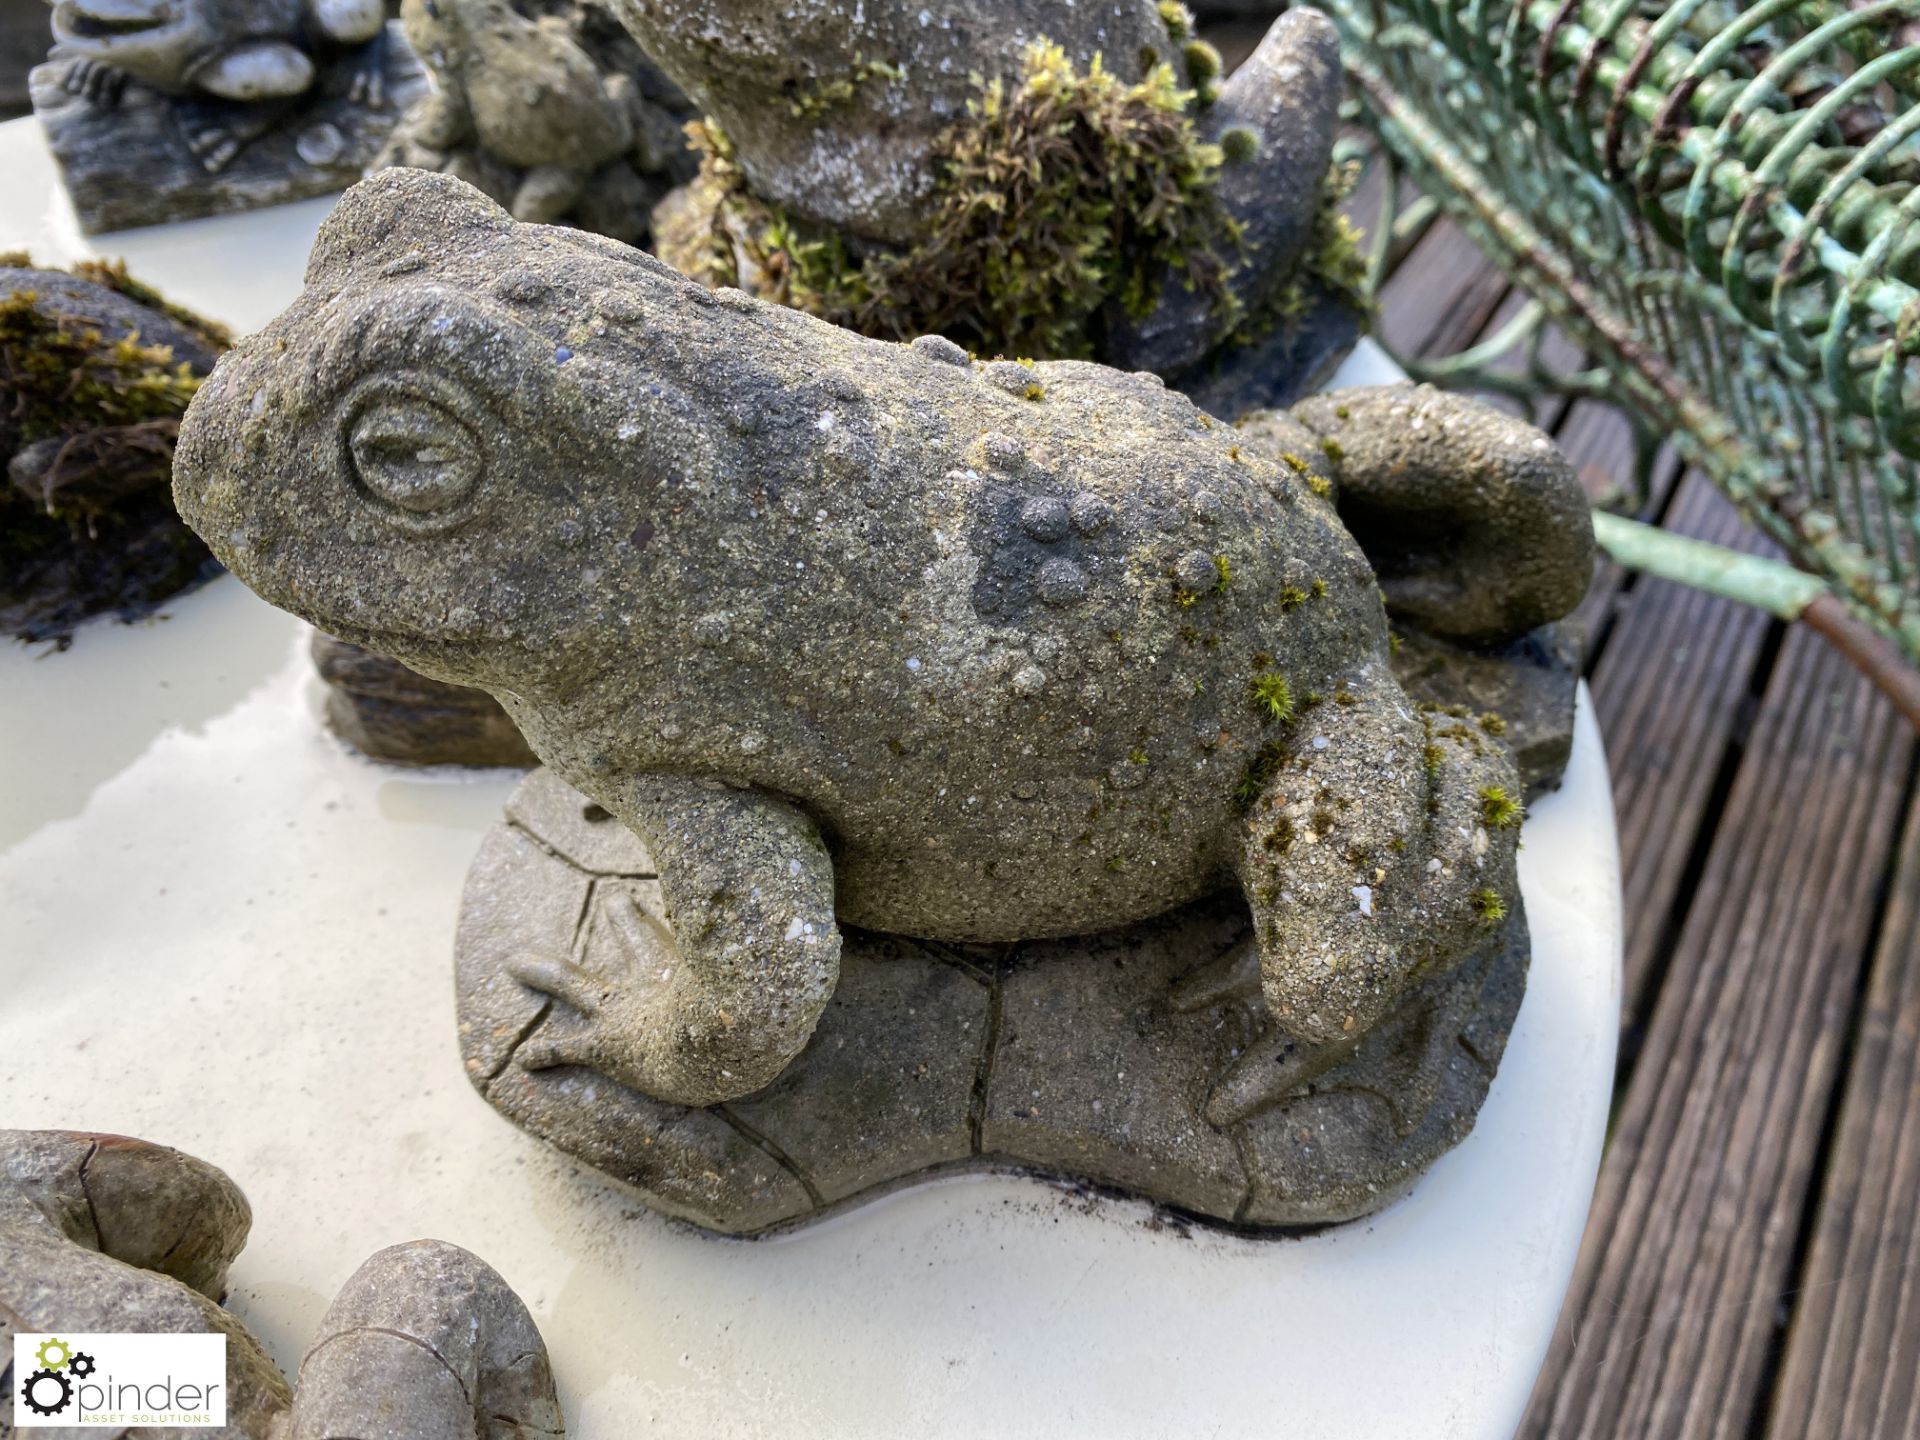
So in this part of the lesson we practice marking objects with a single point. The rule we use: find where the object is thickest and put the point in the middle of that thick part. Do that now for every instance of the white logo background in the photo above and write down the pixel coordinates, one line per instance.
(120, 1380)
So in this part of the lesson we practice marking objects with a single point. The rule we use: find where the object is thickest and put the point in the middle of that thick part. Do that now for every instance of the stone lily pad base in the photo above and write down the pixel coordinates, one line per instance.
(1062, 1059)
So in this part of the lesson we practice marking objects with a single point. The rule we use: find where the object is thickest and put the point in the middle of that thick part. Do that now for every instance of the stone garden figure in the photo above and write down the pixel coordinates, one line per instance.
(105, 1234)
(549, 107)
(1053, 180)
(167, 109)
(857, 637)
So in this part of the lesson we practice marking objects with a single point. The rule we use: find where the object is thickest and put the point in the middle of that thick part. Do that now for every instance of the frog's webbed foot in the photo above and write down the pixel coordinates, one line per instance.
(1515, 531)
(368, 86)
(1277, 1063)
(713, 997)
(214, 146)
(101, 85)
(1380, 849)
(218, 130)
(612, 1007)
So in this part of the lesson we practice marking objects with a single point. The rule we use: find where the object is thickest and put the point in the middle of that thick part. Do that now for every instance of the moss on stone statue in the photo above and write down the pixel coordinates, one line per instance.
(87, 424)
(1058, 195)
(1334, 264)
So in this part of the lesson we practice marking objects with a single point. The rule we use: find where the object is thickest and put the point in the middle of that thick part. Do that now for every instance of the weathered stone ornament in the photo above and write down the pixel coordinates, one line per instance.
(162, 110)
(97, 372)
(547, 106)
(104, 1234)
(1054, 180)
(388, 712)
(853, 639)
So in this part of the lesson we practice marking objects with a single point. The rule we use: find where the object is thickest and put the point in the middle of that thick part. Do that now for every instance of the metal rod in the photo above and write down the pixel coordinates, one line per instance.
(1770, 585)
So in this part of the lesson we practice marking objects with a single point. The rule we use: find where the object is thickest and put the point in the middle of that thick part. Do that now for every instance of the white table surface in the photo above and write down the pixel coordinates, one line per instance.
(224, 932)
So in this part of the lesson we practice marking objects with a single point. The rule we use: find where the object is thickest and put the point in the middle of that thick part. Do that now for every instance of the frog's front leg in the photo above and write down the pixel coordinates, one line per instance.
(716, 996)
(1380, 848)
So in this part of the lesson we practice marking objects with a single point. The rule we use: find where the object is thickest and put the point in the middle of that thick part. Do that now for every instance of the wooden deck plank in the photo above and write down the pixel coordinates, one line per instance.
(1751, 866)
(1849, 1367)
(1441, 296)
(1671, 692)
(1672, 1308)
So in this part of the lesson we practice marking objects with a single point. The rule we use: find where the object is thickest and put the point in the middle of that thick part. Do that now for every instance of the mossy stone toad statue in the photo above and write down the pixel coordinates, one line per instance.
(855, 634)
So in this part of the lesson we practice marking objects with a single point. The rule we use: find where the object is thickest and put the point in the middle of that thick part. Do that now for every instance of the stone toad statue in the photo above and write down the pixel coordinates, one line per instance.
(851, 632)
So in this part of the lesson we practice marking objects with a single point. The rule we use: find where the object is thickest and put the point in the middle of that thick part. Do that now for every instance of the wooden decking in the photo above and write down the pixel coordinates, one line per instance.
(1752, 1265)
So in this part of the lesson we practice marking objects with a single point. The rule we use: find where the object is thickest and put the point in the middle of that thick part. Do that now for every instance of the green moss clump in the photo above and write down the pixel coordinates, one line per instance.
(1488, 905)
(1334, 262)
(61, 377)
(98, 532)
(813, 98)
(113, 274)
(1057, 195)
(1203, 61)
(1273, 696)
(1268, 761)
(1499, 810)
(1239, 144)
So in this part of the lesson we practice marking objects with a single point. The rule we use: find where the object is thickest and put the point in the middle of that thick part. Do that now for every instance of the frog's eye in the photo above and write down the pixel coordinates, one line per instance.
(414, 455)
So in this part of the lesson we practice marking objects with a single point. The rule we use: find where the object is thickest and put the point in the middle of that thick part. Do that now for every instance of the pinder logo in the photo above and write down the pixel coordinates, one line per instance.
(120, 1380)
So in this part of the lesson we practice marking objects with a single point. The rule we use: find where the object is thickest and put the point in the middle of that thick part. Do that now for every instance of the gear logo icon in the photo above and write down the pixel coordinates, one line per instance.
(82, 1365)
(54, 1353)
(41, 1389)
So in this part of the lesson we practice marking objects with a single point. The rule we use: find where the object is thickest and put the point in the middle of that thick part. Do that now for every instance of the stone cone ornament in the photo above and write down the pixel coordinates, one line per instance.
(826, 639)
